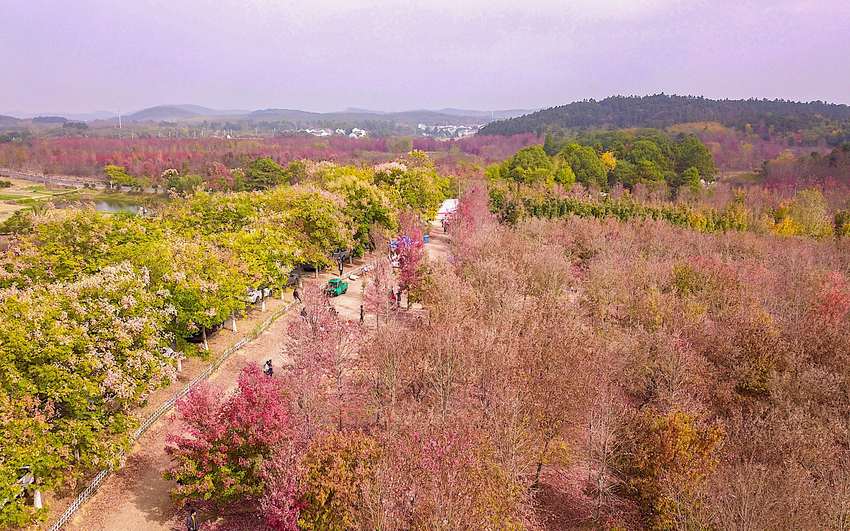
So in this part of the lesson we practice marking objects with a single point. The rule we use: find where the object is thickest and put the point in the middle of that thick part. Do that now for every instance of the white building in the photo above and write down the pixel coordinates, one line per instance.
(447, 208)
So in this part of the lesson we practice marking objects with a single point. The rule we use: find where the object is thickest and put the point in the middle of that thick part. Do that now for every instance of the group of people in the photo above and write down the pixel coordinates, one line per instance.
(395, 299)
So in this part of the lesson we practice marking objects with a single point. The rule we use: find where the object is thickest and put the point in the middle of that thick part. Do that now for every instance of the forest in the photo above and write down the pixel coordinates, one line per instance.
(606, 159)
(573, 374)
(619, 338)
(818, 121)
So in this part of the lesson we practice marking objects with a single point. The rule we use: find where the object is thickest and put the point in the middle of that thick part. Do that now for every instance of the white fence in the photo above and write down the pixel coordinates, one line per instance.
(93, 486)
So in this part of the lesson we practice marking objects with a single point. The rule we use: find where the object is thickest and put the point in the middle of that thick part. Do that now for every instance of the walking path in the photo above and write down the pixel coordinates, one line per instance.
(136, 496)
(68, 181)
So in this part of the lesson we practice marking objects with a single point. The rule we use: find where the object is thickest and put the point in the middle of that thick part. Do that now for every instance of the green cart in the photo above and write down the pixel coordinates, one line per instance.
(336, 287)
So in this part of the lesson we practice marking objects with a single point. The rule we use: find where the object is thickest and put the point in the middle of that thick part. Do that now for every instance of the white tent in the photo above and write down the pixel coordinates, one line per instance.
(447, 208)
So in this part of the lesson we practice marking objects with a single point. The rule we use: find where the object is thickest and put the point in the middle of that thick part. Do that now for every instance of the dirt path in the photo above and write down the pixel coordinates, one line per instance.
(136, 496)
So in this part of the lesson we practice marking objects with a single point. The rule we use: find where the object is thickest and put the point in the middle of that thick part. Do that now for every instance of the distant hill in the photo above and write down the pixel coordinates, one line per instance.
(49, 120)
(206, 111)
(449, 111)
(162, 112)
(175, 113)
(362, 111)
(196, 114)
(410, 118)
(661, 111)
(87, 117)
(352, 115)
(9, 120)
(498, 115)
(283, 114)
(84, 117)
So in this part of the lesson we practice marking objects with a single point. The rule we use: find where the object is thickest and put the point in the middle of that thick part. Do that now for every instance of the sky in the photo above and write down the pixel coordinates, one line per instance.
(326, 55)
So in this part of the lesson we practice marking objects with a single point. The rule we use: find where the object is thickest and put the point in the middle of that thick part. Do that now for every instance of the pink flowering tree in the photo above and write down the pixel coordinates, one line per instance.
(377, 297)
(281, 505)
(324, 372)
(412, 257)
(226, 442)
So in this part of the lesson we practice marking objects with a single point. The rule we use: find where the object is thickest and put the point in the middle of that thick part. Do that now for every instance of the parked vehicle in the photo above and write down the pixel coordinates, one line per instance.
(254, 295)
(336, 287)
(21, 485)
(292, 280)
(198, 337)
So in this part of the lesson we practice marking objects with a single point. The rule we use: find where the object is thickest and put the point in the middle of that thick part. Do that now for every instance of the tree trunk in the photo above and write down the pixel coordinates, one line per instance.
(204, 332)
(540, 465)
(233, 320)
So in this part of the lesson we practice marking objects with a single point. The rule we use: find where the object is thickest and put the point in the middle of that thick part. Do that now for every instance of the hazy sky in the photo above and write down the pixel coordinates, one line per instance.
(325, 55)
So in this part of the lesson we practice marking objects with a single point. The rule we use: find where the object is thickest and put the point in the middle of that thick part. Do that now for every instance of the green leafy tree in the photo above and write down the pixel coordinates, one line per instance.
(690, 179)
(264, 174)
(648, 171)
(118, 176)
(238, 177)
(313, 216)
(647, 150)
(415, 183)
(565, 176)
(365, 203)
(625, 173)
(694, 154)
(530, 164)
(549, 145)
(185, 184)
(585, 163)
(202, 284)
(73, 358)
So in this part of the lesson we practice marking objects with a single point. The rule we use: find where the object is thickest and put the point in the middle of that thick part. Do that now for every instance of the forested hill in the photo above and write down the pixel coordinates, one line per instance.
(660, 111)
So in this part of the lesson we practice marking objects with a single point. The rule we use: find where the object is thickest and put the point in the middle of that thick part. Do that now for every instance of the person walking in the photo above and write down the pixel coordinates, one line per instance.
(304, 313)
(192, 521)
(361, 314)
(340, 267)
(296, 296)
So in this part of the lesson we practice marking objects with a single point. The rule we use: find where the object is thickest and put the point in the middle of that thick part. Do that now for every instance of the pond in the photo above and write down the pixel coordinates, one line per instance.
(111, 208)
(108, 207)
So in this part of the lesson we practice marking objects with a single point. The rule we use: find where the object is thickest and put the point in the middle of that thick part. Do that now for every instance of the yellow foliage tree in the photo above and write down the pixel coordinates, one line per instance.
(665, 458)
(609, 160)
